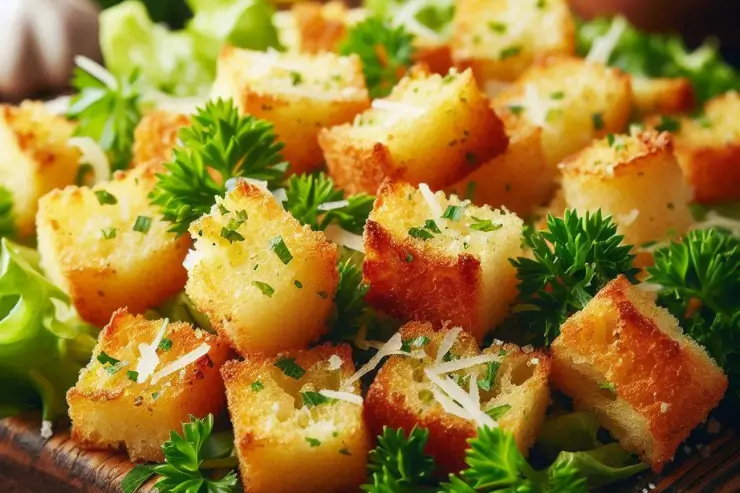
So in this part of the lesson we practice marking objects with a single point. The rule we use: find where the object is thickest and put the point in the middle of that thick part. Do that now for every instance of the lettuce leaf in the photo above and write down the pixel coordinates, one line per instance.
(419, 17)
(663, 55)
(43, 344)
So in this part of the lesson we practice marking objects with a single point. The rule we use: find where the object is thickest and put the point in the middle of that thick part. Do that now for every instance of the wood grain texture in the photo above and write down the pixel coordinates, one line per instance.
(31, 464)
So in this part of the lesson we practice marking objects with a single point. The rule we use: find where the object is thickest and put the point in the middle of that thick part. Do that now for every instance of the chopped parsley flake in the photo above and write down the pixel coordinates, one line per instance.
(510, 52)
(416, 342)
(557, 95)
(454, 212)
(312, 399)
(290, 368)
(498, 411)
(266, 289)
(497, 27)
(296, 78)
(298, 284)
(257, 386)
(598, 121)
(105, 198)
(484, 225)
(132, 375)
(516, 109)
(109, 234)
(104, 359)
(420, 233)
(230, 232)
(431, 226)
(313, 442)
(409, 258)
(344, 451)
(165, 345)
(223, 210)
(610, 386)
(491, 371)
(142, 224)
(668, 124)
(278, 246)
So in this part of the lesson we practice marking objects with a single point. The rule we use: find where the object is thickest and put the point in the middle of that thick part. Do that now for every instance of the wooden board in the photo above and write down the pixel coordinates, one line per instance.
(31, 464)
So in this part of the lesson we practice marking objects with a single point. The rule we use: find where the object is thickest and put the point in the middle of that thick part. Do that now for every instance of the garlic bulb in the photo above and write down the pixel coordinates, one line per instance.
(38, 42)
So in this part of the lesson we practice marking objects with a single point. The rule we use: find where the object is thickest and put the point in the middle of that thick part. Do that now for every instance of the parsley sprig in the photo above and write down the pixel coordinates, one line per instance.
(385, 52)
(349, 303)
(495, 465)
(398, 463)
(700, 282)
(219, 145)
(188, 459)
(108, 112)
(307, 192)
(572, 260)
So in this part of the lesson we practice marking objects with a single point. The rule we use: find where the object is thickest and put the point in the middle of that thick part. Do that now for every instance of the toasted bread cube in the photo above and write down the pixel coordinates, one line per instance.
(109, 409)
(36, 158)
(430, 129)
(461, 274)
(572, 100)
(708, 150)
(520, 179)
(321, 27)
(634, 178)
(298, 93)
(156, 135)
(90, 249)
(403, 396)
(500, 39)
(663, 95)
(265, 282)
(279, 423)
(627, 360)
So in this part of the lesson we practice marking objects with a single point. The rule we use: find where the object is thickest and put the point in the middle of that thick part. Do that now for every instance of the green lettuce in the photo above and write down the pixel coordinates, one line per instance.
(7, 224)
(182, 62)
(663, 55)
(434, 15)
(43, 344)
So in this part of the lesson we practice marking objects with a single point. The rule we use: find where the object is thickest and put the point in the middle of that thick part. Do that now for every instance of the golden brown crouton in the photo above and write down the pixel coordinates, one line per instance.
(519, 179)
(290, 438)
(512, 389)
(664, 95)
(430, 129)
(321, 27)
(297, 93)
(627, 360)
(36, 157)
(117, 404)
(421, 266)
(635, 179)
(265, 282)
(108, 248)
(572, 100)
(499, 39)
(708, 150)
(156, 135)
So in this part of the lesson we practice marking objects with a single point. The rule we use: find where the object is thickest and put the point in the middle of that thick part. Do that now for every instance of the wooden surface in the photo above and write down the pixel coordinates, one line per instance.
(31, 464)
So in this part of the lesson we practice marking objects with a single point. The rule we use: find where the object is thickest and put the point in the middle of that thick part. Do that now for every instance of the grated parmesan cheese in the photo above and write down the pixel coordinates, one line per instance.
(148, 359)
(462, 363)
(473, 391)
(92, 154)
(181, 362)
(447, 385)
(603, 46)
(447, 342)
(330, 206)
(342, 396)
(46, 430)
(335, 362)
(393, 346)
(449, 405)
(343, 237)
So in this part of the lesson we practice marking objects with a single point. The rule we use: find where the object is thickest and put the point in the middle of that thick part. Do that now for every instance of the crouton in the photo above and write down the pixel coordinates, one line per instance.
(500, 39)
(421, 266)
(512, 388)
(107, 246)
(432, 53)
(635, 179)
(118, 404)
(289, 437)
(430, 129)
(265, 282)
(708, 150)
(36, 158)
(156, 135)
(572, 100)
(627, 360)
(298, 93)
(520, 179)
(663, 95)
(321, 27)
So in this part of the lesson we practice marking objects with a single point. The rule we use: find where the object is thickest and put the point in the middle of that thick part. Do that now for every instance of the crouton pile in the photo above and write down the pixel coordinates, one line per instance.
(489, 128)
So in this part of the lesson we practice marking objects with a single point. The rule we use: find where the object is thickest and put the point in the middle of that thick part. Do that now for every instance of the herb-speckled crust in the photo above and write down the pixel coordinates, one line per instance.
(637, 180)
(114, 412)
(455, 131)
(665, 383)
(438, 280)
(272, 426)
(221, 274)
(395, 396)
(156, 135)
(133, 269)
(321, 90)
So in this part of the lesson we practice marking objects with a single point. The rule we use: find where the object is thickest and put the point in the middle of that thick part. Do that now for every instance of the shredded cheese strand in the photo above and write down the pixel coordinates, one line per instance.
(449, 405)
(462, 363)
(96, 70)
(447, 342)
(603, 46)
(343, 237)
(455, 392)
(342, 396)
(181, 362)
(393, 345)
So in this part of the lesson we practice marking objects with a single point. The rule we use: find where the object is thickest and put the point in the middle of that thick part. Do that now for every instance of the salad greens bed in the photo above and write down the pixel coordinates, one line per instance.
(43, 344)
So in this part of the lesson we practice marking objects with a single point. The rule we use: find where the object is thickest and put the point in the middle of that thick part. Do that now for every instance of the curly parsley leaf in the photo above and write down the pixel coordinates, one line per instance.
(107, 111)
(219, 145)
(700, 281)
(398, 463)
(386, 53)
(572, 260)
(7, 224)
(188, 459)
(306, 194)
(349, 303)
(663, 55)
